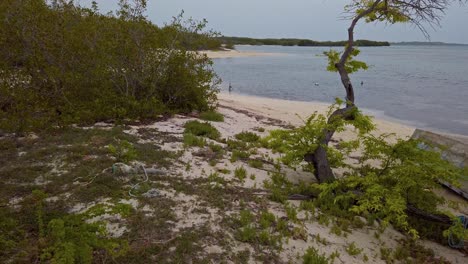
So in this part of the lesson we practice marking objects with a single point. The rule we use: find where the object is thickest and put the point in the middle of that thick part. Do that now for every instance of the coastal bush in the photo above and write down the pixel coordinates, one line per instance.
(212, 116)
(239, 155)
(190, 140)
(240, 173)
(123, 151)
(61, 63)
(202, 129)
(312, 256)
(392, 175)
(247, 137)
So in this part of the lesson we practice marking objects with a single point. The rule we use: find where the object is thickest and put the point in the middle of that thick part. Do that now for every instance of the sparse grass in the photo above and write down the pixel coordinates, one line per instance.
(215, 148)
(240, 173)
(224, 171)
(212, 116)
(386, 254)
(291, 212)
(202, 129)
(312, 256)
(259, 129)
(261, 230)
(123, 151)
(353, 250)
(246, 136)
(239, 155)
(321, 240)
(190, 140)
(237, 145)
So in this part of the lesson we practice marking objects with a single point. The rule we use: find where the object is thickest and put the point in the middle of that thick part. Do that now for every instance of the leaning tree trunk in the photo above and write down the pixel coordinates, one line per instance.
(319, 158)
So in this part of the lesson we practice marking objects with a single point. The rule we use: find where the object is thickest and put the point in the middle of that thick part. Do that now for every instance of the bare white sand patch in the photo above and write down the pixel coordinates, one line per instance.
(62, 196)
(82, 207)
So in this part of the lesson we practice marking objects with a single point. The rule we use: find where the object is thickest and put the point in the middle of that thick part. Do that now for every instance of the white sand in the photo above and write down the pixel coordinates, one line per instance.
(293, 111)
(236, 54)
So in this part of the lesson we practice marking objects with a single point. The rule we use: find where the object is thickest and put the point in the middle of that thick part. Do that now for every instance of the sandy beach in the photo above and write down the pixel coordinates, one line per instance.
(235, 54)
(248, 113)
(295, 111)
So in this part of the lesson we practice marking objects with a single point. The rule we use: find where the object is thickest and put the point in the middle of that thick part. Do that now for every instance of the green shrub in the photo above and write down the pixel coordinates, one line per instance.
(123, 151)
(240, 173)
(391, 173)
(237, 145)
(216, 148)
(71, 239)
(202, 129)
(212, 116)
(258, 164)
(353, 250)
(191, 140)
(247, 137)
(312, 256)
(239, 155)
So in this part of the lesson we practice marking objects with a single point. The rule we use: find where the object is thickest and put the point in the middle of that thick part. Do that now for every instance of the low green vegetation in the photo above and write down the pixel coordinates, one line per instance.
(201, 129)
(262, 230)
(312, 256)
(240, 173)
(390, 177)
(51, 173)
(248, 137)
(353, 250)
(239, 155)
(212, 116)
(254, 163)
(123, 151)
(190, 140)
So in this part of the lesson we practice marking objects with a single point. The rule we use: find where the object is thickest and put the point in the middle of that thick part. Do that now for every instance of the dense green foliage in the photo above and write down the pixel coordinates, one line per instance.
(212, 116)
(390, 174)
(351, 65)
(202, 129)
(61, 63)
(298, 42)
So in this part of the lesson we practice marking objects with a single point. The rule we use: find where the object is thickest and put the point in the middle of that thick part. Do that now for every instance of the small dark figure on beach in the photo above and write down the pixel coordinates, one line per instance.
(362, 83)
(230, 87)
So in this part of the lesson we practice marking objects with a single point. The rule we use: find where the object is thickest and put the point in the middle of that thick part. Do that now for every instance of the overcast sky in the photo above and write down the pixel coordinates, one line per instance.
(313, 19)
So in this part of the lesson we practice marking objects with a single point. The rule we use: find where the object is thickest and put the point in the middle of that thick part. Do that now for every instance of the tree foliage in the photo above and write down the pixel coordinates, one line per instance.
(61, 63)
(389, 176)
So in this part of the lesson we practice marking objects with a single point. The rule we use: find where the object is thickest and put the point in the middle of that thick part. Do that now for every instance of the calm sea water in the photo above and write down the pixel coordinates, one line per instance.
(420, 85)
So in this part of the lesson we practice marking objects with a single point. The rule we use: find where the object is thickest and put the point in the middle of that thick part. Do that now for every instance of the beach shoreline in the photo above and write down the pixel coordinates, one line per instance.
(224, 54)
(294, 112)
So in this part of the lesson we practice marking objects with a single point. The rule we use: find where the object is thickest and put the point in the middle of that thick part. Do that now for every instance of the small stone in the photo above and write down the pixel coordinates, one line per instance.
(152, 193)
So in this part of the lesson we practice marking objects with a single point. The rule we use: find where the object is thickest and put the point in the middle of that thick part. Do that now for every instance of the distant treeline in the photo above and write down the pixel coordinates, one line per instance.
(230, 41)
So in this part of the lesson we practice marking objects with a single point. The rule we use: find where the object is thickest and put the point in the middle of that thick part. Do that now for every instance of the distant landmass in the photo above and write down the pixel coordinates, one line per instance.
(230, 41)
(425, 43)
